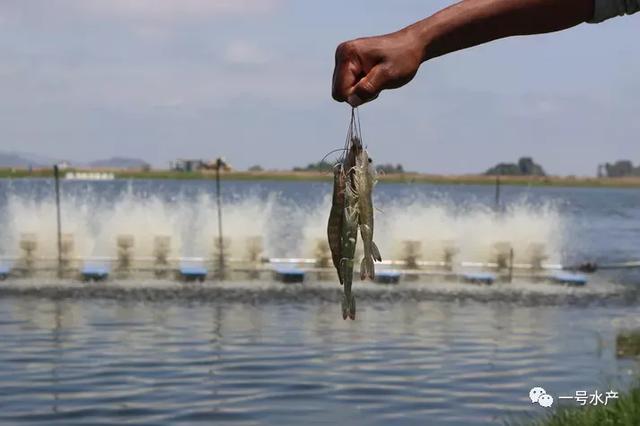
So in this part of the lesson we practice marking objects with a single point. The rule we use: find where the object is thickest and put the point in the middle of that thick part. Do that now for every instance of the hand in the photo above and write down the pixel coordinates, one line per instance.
(366, 66)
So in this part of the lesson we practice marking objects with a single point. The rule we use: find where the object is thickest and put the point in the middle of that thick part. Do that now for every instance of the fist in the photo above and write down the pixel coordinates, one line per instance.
(367, 66)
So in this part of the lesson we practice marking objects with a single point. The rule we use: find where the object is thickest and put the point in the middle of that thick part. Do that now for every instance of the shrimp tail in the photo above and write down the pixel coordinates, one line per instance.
(367, 269)
(375, 252)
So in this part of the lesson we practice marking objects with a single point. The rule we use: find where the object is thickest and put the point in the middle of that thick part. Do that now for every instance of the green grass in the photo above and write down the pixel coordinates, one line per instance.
(23, 173)
(624, 411)
(628, 344)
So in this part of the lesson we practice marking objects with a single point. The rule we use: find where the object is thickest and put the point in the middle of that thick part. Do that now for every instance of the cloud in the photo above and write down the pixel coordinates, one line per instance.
(96, 14)
(167, 10)
(241, 52)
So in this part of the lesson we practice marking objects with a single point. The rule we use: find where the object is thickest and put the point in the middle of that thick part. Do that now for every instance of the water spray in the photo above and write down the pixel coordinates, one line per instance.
(497, 193)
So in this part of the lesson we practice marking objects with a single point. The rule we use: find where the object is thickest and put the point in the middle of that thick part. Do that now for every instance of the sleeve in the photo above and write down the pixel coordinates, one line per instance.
(605, 9)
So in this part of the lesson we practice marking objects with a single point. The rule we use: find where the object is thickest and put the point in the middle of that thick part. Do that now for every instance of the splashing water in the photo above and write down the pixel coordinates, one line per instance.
(286, 228)
(473, 230)
(95, 225)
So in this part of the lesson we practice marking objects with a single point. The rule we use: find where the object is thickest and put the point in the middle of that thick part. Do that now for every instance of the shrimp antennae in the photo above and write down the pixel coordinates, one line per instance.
(331, 152)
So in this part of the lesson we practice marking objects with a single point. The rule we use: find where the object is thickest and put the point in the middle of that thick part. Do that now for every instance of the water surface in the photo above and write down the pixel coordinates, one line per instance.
(158, 352)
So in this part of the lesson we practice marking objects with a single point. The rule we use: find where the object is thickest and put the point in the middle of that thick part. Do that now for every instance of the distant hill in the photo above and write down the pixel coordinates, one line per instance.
(119, 163)
(25, 160)
(8, 159)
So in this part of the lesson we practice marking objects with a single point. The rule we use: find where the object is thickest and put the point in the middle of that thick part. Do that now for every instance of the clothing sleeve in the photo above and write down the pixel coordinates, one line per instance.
(605, 9)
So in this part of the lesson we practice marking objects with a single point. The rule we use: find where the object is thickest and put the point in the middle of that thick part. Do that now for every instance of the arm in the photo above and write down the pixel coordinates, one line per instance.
(365, 67)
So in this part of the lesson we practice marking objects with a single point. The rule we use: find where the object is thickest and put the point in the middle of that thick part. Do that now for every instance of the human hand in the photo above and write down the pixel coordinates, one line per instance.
(366, 66)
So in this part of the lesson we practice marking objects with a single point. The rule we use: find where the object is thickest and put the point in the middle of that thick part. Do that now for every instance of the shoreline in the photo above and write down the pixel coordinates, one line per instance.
(404, 178)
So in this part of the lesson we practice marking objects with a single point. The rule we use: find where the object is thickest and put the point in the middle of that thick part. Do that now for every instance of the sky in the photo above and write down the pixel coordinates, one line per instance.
(250, 80)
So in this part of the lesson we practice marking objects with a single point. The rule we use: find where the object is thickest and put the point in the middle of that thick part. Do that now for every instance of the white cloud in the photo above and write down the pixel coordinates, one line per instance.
(174, 9)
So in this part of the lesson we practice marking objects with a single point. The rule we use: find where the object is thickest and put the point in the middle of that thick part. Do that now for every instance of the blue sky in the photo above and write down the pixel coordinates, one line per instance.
(250, 80)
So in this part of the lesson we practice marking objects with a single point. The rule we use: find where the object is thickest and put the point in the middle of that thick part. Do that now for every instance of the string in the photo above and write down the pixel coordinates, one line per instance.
(359, 128)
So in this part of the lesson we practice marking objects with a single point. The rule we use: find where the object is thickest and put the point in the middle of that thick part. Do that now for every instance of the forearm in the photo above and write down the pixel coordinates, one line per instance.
(473, 22)
(367, 66)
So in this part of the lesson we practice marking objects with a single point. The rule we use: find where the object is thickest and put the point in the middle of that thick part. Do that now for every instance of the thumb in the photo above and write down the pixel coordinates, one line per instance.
(369, 87)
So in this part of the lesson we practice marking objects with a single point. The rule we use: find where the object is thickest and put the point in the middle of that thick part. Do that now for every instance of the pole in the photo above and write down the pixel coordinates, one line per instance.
(510, 265)
(497, 192)
(220, 239)
(56, 175)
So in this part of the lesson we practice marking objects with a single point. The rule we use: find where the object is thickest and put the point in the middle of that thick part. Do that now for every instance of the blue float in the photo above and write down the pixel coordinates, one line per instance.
(387, 277)
(192, 273)
(94, 273)
(4, 272)
(288, 275)
(569, 278)
(479, 277)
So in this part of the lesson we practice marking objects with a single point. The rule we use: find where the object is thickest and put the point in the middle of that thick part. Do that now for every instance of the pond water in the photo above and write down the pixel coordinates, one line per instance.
(161, 352)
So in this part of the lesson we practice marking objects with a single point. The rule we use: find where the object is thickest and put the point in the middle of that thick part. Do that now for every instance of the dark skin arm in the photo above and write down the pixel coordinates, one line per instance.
(366, 66)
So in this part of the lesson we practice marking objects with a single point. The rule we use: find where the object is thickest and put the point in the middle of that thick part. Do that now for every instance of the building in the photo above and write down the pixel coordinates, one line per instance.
(183, 165)
(190, 165)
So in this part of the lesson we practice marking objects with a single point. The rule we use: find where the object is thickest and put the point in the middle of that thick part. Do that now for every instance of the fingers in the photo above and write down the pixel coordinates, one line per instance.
(354, 100)
(369, 87)
(349, 84)
(344, 73)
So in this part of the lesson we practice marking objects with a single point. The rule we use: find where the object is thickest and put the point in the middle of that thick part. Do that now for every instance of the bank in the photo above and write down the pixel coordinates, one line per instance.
(557, 181)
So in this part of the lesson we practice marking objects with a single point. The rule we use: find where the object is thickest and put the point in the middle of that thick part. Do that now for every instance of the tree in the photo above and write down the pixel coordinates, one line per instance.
(389, 169)
(321, 166)
(525, 167)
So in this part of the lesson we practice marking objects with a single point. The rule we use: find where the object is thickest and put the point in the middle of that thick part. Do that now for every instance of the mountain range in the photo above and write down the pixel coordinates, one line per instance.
(21, 159)
(119, 163)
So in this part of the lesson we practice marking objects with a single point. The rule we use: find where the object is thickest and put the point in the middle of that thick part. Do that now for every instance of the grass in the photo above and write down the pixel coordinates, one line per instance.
(23, 173)
(558, 181)
(628, 345)
(624, 411)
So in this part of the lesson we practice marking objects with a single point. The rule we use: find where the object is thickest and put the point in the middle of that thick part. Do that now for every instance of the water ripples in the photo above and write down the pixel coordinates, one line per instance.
(101, 361)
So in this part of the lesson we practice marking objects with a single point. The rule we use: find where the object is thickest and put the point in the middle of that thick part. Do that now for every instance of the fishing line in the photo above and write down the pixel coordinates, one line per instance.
(359, 128)
(347, 143)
